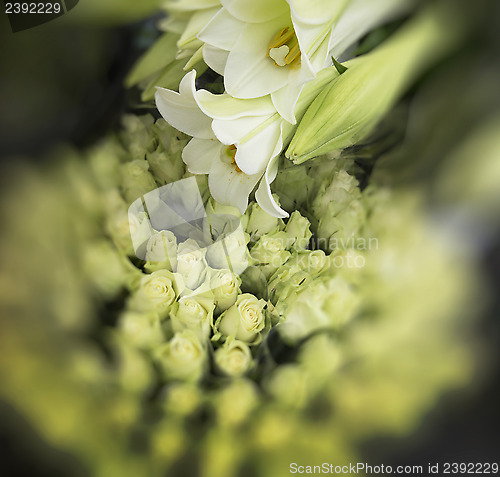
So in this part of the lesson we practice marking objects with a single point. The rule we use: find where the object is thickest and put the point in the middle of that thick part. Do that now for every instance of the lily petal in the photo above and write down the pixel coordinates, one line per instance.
(215, 58)
(263, 194)
(181, 110)
(359, 18)
(200, 154)
(230, 187)
(285, 100)
(255, 10)
(222, 31)
(249, 72)
(224, 106)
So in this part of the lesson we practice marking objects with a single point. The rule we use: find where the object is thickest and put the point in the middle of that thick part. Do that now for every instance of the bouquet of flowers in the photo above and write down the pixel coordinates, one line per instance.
(235, 286)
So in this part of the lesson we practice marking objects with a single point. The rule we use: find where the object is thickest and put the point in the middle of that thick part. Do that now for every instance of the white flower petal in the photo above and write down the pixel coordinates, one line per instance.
(359, 18)
(254, 154)
(200, 154)
(263, 194)
(285, 100)
(249, 72)
(197, 21)
(318, 12)
(224, 106)
(230, 187)
(222, 31)
(215, 58)
(181, 110)
(255, 10)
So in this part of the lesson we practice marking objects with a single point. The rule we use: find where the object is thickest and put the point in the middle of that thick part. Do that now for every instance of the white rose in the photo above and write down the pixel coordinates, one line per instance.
(230, 252)
(244, 320)
(191, 263)
(233, 358)
(183, 357)
(225, 286)
(194, 313)
(156, 292)
(143, 330)
(162, 248)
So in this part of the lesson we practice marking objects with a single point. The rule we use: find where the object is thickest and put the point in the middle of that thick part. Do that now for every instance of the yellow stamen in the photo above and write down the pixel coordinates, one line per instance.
(231, 152)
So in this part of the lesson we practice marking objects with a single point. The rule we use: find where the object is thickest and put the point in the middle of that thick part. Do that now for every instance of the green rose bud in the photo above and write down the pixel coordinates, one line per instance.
(298, 228)
(233, 358)
(340, 230)
(235, 403)
(182, 399)
(260, 222)
(161, 251)
(194, 313)
(106, 269)
(136, 135)
(136, 179)
(134, 370)
(289, 385)
(244, 320)
(225, 286)
(230, 252)
(183, 357)
(191, 263)
(271, 251)
(165, 168)
(157, 292)
(334, 194)
(326, 303)
(140, 231)
(142, 330)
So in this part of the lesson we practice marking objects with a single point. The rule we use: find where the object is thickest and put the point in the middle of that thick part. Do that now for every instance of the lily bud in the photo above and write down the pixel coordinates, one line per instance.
(356, 100)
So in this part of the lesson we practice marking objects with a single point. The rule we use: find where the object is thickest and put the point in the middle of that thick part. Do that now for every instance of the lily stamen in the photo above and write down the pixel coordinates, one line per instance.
(284, 48)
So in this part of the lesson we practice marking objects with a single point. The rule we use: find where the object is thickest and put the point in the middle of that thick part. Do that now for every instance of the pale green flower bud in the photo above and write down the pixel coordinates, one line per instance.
(346, 110)
(334, 194)
(289, 385)
(320, 356)
(106, 269)
(253, 280)
(134, 370)
(327, 303)
(136, 135)
(233, 358)
(191, 263)
(182, 399)
(157, 292)
(165, 169)
(230, 252)
(260, 222)
(311, 261)
(244, 320)
(194, 313)
(136, 179)
(161, 249)
(271, 250)
(340, 230)
(225, 286)
(142, 330)
(140, 231)
(298, 228)
(183, 357)
(235, 403)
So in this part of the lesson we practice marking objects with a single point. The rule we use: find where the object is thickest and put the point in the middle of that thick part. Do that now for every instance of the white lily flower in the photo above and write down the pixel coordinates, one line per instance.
(188, 18)
(275, 46)
(272, 47)
(233, 141)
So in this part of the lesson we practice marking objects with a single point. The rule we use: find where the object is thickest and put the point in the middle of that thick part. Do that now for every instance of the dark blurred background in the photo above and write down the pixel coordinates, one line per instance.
(62, 82)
